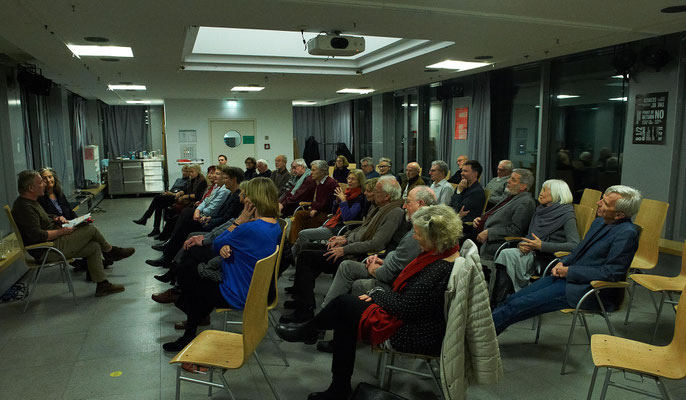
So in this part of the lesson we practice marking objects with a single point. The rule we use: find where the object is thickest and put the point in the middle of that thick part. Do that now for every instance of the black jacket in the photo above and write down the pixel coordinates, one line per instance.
(472, 198)
(50, 208)
(231, 208)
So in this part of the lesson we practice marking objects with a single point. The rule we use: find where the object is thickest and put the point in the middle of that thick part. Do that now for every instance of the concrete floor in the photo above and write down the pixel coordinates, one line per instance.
(110, 347)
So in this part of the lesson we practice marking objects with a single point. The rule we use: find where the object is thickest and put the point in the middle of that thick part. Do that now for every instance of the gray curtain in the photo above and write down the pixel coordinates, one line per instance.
(446, 131)
(124, 129)
(79, 136)
(479, 139)
(328, 124)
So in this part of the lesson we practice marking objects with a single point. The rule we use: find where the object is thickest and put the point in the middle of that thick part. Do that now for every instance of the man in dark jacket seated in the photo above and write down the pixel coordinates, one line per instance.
(605, 254)
(469, 197)
(303, 188)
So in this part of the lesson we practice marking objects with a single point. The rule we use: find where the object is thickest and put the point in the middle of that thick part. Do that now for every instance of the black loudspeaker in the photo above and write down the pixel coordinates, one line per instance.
(34, 82)
(446, 92)
(624, 61)
(656, 57)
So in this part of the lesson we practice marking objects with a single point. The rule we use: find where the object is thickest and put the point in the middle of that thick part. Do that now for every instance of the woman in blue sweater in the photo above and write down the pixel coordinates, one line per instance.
(254, 235)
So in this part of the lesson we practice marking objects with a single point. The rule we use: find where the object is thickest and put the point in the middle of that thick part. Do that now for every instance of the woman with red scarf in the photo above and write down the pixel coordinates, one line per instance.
(410, 315)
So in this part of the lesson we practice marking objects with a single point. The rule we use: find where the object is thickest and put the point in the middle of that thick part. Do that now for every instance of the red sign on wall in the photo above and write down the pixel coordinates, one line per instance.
(461, 118)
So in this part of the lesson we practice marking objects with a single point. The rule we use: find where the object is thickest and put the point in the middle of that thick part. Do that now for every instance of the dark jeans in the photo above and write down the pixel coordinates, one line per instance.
(184, 225)
(310, 263)
(198, 298)
(159, 203)
(544, 296)
(342, 315)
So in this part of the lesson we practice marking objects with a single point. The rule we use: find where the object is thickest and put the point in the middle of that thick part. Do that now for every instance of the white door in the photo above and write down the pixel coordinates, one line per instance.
(236, 149)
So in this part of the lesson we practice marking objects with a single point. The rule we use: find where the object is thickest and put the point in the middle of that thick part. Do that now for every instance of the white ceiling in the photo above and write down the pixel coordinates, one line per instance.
(513, 32)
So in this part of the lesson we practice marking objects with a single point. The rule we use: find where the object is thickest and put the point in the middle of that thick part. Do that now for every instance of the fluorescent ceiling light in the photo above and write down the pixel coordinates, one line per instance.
(303, 103)
(247, 88)
(232, 103)
(126, 87)
(567, 96)
(355, 91)
(411, 105)
(100, 51)
(617, 99)
(457, 65)
(138, 102)
(619, 76)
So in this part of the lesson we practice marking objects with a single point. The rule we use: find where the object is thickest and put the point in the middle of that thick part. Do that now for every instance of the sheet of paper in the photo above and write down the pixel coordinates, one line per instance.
(73, 222)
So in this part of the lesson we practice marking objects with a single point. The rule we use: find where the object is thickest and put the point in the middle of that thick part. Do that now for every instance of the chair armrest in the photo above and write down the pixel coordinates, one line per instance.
(606, 284)
(40, 246)
(469, 223)
(376, 253)
(305, 203)
(550, 265)
(352, 222)
(560, 254)
(513, 238)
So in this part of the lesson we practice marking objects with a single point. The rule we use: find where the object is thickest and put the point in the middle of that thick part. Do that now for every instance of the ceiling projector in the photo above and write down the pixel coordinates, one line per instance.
(335, 45)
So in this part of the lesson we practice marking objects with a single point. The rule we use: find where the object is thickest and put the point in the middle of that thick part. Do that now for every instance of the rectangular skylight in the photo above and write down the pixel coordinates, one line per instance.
(303, 103)
(567, 96)
(100, 51)
(126, 87)
(247, 88)
(138, 102)
(457, 65)
(617, 99)
(355, 91)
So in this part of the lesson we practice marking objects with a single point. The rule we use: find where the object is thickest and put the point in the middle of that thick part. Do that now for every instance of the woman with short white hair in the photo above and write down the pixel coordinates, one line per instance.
(552, 229)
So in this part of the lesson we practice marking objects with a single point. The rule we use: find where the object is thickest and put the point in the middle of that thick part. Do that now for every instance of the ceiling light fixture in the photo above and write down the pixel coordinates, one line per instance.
(617, 99)
(567, 96)
(232, 103)
(355, 91)
(619, 76)
(126, 87)
(138, 102)
(303, 103)
(458, 65)
(250, 88)
(100, 51)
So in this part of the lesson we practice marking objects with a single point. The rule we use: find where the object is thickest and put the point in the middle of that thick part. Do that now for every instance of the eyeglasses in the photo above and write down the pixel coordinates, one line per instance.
(384, 166)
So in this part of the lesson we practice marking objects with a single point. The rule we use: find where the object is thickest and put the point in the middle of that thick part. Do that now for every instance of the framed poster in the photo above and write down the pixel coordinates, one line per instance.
(461, 119)
(650, 118)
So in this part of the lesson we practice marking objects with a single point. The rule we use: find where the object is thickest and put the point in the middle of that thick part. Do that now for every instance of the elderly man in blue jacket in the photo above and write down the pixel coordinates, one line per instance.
(605, 254)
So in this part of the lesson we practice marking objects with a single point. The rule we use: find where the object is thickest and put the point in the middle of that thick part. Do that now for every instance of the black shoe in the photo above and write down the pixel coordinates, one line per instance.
(159, 246)
(325, 346)
(178, 345)
(80, 265)
(332, 393)
(289, 289)
(141, 221)
(107, 263)
(166, 278)
(163, 237)
(297, 333)
(154, 232)
(299, 315)
(160, 262)
(290, 304)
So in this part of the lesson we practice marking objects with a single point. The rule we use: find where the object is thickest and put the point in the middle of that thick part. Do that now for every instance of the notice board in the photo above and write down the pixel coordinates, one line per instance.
(650, 118)
(461, 119)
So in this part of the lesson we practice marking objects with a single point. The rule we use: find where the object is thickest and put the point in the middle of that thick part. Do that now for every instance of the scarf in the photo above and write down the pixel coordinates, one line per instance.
(549, 219)
(300, 181)
(350, 195)
(376, 325)
(374, 222)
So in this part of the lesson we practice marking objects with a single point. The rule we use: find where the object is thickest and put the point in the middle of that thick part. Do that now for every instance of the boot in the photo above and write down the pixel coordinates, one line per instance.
(503, 287)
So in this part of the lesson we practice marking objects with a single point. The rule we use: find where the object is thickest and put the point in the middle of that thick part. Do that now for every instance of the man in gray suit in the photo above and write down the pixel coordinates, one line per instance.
(510, 217)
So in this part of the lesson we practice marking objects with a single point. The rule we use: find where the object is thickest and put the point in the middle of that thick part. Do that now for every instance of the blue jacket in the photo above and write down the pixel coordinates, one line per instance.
(605, 254)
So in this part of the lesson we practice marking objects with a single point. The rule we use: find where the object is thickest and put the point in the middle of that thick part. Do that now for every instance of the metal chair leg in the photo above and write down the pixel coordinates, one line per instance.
(70, 283)
(226, 384)
(390, 371)
(32, 290)
(382, 375)
(585, 323)
(569, 342)
(266, 376)
(437, 379)
(538, 329)
(178, 381)
(632, 293)
(606, 384)
(590, 389)
(210, 379)
(657, 318)
(661, 387)
(275, 342)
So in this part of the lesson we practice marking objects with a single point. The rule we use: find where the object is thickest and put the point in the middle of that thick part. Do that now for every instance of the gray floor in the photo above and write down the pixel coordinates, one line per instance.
(110, 348)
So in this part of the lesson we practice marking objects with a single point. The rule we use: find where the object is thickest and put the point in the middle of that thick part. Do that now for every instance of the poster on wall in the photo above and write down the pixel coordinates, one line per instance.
(188, 136)
(650, 118)
(461, 118)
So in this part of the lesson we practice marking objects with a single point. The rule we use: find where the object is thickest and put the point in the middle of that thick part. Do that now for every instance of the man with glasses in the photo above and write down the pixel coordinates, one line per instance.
(497, 184)
(385, 166)
(367, 166)
(440, 185)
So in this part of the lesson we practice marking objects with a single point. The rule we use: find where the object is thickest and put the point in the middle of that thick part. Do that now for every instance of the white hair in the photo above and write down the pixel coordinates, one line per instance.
(630, 201)
(262, 161)
(390, 186)
(559, 191)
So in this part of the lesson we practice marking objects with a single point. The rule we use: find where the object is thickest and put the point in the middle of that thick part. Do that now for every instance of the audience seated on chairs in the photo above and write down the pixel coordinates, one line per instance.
(303, 188)
(317, 212)
(213, 211)
(280, 176)
(498, 184)
(510, 217)
(552, 228)
(440, 185)
(263, 169)
(383, 224)
(385, 167)
(202, 291)
(457, 176)
(340, 170)
(367, 166)
(347, 206)
(469, 197)
(250, 168)
(166, 199)
(36, 226)
(605, 254)
(411, 315)
(410, 179)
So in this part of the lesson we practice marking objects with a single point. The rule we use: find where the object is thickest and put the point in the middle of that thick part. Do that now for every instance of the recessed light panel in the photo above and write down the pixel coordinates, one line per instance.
(303, 103)
(567, 96)
(458, 65)
(100, 51)
(617, 99)
(138, 102)
(126, 87)
(355, 91)
(247, 88)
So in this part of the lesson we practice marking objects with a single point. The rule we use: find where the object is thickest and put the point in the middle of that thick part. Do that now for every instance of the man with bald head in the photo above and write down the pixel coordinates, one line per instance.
(457, 177)
(410, 179)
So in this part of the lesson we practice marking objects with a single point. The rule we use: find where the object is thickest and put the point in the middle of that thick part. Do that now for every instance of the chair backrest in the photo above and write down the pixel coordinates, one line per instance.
(343, 186)
(352, 166)
(487, 195)
(584, 218)
(590, 198)
(683, 260)
(651, 217)
(331, 167)
(15, 228)
(273, 297)
(255, 311)
(679, 339)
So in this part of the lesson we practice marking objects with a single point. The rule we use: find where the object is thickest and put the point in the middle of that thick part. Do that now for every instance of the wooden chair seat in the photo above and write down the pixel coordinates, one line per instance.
(212, 348)
(656, 283)
(630, 355)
